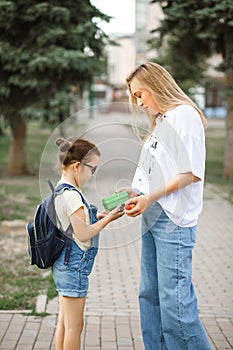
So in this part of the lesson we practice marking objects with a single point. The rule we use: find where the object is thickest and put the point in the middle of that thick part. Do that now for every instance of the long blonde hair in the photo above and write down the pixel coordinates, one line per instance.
(164, 89)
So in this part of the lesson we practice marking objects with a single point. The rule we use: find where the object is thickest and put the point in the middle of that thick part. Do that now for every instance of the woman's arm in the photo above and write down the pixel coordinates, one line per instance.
(129, 190)
(85, 232)
(142, 203)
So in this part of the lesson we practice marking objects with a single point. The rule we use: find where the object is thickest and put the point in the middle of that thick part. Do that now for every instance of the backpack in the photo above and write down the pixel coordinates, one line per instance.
(45, 240)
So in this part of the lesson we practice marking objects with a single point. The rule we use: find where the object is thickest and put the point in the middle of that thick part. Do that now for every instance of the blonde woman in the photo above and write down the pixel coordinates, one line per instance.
(167, 190)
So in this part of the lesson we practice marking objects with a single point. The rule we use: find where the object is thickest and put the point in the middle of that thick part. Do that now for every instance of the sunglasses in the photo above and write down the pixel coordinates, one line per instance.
(93, 168)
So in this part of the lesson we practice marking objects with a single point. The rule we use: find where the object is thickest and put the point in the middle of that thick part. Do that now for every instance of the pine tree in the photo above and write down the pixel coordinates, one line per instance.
(45, 48)
(198, 30)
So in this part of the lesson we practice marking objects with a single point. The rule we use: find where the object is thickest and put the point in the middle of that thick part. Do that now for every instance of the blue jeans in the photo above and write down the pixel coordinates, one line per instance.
(168, 304)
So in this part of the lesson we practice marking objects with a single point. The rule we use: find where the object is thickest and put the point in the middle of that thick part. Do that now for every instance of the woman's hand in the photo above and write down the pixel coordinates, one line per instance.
(129, 190)
(141, 203)
(137, 205)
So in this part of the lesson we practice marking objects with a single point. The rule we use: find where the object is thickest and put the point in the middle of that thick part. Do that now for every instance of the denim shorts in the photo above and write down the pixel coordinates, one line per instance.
(71, 279)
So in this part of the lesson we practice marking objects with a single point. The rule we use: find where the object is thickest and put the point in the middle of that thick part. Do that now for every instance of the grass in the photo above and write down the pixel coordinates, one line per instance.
(20, 286)
(23, 197)
(20, 282)
(215, 139)
(20, 194)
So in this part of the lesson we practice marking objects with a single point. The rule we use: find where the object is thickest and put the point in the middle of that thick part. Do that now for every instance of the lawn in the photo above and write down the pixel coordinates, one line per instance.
(20, 194)
(20, 282)
(215, 138)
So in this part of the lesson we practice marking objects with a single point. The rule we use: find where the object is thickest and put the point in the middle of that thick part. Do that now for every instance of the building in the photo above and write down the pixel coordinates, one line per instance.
(147, 18)
(121, 60)
(132, 49)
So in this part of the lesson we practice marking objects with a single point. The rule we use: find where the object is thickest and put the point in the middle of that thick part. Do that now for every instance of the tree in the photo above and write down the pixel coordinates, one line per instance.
(198, 30)
(46, 47)
(184, 72)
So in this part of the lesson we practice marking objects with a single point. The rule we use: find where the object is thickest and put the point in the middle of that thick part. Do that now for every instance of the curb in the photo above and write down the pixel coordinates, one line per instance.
(41, 302)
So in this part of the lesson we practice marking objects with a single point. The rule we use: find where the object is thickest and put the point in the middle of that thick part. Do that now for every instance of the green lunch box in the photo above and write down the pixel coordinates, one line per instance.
(114, 200)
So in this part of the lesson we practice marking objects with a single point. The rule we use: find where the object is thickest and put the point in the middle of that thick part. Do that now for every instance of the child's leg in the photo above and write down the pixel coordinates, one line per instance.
(59, 339)
(73, 309)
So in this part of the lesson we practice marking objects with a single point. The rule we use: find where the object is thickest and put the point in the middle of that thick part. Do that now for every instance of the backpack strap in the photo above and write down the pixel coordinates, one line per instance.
(62, 187)
(50, 185)
(69, 231)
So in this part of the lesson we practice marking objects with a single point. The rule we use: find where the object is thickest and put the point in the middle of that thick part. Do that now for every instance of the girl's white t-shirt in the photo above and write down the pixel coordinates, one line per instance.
(176, 146)
(66, 204)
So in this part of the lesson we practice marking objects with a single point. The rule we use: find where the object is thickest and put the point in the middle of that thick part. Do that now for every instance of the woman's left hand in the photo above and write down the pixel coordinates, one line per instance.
(137, 205)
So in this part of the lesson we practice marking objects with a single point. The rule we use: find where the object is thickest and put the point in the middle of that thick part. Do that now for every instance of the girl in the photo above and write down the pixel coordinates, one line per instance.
(169, 180)
(79, 159)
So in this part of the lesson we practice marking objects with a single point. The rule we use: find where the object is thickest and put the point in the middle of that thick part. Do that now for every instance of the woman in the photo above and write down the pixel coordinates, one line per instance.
(169, 185)
(79, 159)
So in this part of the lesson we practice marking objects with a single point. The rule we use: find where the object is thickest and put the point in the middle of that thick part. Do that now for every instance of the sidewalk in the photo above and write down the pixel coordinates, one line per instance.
(112, 315)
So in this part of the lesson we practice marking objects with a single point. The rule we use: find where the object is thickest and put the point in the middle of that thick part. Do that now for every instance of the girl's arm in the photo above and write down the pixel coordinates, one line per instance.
(85, 232)
(142, 203)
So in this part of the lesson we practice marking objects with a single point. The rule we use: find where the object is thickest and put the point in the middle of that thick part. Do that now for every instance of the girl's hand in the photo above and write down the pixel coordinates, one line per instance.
(100, 215)
(137, 205)
(116, 213)
(129, 190)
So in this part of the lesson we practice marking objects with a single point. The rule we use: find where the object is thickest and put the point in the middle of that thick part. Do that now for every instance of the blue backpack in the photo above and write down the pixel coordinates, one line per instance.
(45, 240)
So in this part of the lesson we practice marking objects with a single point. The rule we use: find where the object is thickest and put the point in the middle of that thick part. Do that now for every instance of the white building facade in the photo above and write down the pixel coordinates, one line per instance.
(132, 49)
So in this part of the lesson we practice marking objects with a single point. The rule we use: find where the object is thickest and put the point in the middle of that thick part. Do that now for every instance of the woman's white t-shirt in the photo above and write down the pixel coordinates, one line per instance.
(177, 145)
(66, 204)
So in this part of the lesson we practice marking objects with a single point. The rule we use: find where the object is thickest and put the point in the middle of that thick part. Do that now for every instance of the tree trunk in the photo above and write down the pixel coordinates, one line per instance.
(228, 154)
(2, 133)
(61, 119)
(17, 159)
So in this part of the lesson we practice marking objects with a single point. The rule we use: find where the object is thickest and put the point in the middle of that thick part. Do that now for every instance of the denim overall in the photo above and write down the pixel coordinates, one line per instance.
(73, 267)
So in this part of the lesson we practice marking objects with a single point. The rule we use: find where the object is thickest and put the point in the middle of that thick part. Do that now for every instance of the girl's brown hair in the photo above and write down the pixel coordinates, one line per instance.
(167, 94)
(75, 149)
